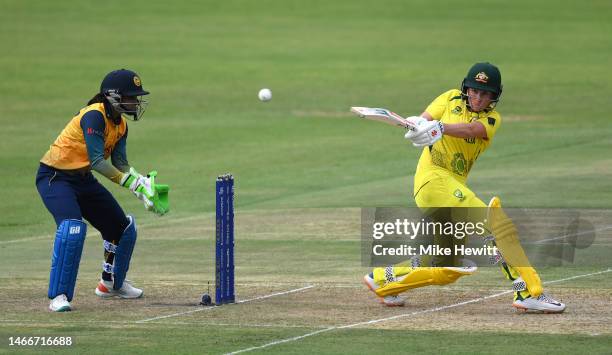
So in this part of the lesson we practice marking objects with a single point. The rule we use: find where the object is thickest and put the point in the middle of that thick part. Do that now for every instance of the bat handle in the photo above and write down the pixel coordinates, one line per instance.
(409, 127)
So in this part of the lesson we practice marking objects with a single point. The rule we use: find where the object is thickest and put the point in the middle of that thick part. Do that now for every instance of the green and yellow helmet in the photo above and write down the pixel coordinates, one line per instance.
(483, 76)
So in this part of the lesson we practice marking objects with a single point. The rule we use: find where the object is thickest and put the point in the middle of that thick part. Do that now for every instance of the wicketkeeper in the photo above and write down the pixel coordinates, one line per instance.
(72, 194)
(455, 129)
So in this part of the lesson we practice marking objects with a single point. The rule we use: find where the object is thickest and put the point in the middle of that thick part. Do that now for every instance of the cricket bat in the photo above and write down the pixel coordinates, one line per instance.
(383, 115)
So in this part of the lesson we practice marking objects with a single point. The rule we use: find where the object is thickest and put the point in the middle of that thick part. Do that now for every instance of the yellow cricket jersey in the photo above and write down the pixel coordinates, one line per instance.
(69, 151)
(450, 155)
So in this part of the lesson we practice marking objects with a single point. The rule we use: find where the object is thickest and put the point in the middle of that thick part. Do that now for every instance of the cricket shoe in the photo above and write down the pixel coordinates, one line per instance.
(60, 304)
(105, 290)
(542, 303)
(389, 301)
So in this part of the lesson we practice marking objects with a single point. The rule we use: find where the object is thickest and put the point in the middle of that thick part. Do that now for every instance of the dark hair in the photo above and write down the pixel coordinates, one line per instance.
(98, 98)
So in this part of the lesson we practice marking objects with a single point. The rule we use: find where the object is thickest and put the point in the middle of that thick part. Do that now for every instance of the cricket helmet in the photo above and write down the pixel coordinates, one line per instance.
(123, 83)
(483, 76)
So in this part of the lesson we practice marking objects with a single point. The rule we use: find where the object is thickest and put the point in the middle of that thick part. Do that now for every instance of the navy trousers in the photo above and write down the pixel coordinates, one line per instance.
(77, 196)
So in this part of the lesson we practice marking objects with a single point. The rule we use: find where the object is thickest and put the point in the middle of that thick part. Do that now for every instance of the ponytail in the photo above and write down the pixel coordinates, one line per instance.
(98, 98)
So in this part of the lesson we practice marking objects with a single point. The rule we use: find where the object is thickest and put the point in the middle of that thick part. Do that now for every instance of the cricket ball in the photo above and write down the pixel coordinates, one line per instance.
(206, 300)
(265, 95)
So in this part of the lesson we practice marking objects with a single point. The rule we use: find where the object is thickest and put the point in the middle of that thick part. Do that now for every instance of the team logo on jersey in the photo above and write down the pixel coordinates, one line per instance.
(481, 77)
(459, 165)
(458, 194)
(137, 81)
(457, 110)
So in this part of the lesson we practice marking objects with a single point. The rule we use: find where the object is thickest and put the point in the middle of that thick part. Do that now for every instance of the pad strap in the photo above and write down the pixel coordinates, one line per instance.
(109, 247)
(497, 257)
(108, 268)
(519, 285)
(389, 274)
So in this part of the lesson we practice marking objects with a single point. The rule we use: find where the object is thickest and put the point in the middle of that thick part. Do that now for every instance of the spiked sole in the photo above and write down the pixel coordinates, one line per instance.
(532, 310)
(103, 292)
(382, 301)
(62, 309)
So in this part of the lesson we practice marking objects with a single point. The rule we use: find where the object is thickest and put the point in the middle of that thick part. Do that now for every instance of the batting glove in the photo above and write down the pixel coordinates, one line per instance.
(426, 134)
(416, 121)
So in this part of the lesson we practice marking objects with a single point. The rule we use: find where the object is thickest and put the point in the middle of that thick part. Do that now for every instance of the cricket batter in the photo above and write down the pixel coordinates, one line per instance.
(71, 193)
(454, 130)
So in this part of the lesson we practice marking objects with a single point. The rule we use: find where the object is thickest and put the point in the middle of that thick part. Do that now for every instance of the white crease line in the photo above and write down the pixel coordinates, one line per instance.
(276, 294)
(154, 223)
(430, 310)
(238, 302)
(283, 341)
(572, 235)
(40, 237)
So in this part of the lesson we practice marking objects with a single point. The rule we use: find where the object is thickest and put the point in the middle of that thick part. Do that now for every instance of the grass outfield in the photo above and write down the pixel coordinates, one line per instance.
(303, 165)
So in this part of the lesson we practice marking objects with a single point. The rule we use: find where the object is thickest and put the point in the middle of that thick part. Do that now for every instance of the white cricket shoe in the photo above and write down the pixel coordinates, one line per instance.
(105, 290)
(389, 301)
(60, 304)
(543, 303)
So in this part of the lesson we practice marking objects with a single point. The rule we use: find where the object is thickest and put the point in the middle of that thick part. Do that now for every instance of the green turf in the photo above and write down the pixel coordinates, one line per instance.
(334, 342)
(442, 342)
(204, 62)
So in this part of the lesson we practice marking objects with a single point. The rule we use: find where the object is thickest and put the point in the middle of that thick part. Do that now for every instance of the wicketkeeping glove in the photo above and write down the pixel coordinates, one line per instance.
(426, 134)
(154, 196)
